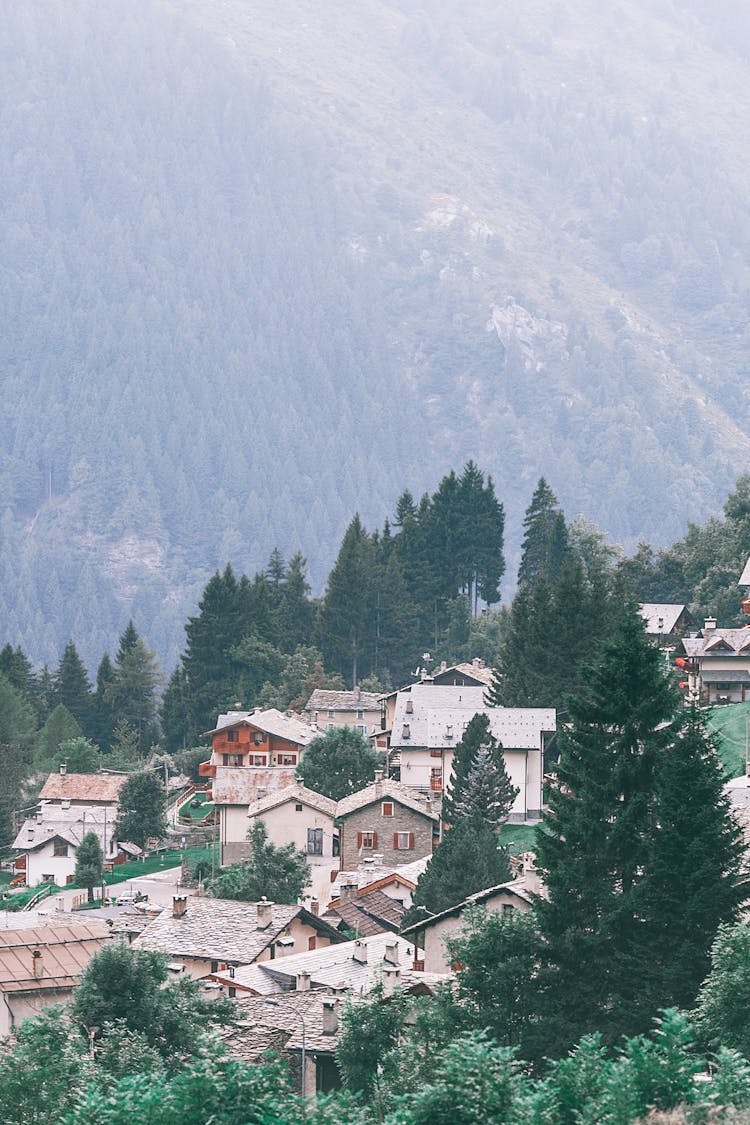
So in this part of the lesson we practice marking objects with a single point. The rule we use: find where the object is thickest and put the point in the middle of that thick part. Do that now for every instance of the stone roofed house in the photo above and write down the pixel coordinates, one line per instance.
(432, 932)
(399, 883)
(719, 660)
(326, 709)
(309, 989)
(87, 790)
(300, 816)
(474, 673)
(429, 721)
(203, 935)
(46, 844)
(387, 820)
(667, 621)
(254, 753)
(364, 912)
(42, 965)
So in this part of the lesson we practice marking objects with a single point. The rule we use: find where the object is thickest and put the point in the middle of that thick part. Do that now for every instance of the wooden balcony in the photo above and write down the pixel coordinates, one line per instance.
(436, 784)
(207, 769)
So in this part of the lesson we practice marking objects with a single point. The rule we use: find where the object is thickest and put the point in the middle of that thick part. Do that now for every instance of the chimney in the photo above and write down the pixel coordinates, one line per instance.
(360, 952)
(391, 953)
(63, 769)
(443, 666)
(330, 1016)
(179, 906)
(378, 783)
(348, 892)
(264, 913)
(710, 624)
(302, 982)
(314, 906)
(390, 977)
(37, 962)
(477, 662)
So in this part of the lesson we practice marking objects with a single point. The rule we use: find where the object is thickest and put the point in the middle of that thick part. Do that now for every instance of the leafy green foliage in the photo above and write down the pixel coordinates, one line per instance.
(339, 762)
(89, 870)
(44, 1075)
(127, 987)
(723, 1001)
(142, 808)
(78, 754)
(279, 874)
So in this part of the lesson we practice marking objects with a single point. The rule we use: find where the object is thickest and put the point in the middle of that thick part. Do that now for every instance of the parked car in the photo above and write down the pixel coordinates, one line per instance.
(129, 898)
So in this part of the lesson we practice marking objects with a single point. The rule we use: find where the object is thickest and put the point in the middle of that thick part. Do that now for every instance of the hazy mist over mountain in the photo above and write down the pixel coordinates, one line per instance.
(264, 265)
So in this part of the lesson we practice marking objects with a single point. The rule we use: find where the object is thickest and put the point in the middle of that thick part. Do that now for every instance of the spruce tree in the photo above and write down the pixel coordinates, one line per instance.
(494, 788)
(466, 861)
(89, 870)
(73, 689)
(545, 540)
(597, 840)
(347, 616)
(488, 794)
(142, 808)
(132, 693)
(689, 885)
(104, 720)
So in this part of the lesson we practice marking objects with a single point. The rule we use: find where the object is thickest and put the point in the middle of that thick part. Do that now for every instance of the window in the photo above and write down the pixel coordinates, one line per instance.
(360, 714)
(436, 779)
(362, 728)
(231, 736)
(259, 738)
(435, 753)
(232, 992)
(315, 841)
(387, 808)
(214, 966)
(330, 712)
(367, 840)
(48, 878)
(330, 726)
(287, 759)
(298, 807)
(257, 759)
(312, 942)
(403, 841)
(60, 848)
(507, 908)
(232, 759)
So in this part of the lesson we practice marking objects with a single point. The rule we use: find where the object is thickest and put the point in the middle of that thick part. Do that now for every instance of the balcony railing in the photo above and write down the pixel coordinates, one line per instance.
(207, 769)
(436, 784)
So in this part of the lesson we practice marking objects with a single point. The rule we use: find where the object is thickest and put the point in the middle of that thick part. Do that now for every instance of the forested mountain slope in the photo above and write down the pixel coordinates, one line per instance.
(263, 265)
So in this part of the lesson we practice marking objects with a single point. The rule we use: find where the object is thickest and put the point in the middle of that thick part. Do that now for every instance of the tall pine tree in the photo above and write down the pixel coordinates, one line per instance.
(545, 540)
(479, 785)
(73, 689)
(597, 840)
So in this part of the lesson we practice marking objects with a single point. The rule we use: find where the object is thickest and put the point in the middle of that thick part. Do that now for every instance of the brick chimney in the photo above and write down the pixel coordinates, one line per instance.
(302, 982)
(360, 952)
(330, 1016)
(179, 906)
(264, 913)
(314, 906)
(348, 891)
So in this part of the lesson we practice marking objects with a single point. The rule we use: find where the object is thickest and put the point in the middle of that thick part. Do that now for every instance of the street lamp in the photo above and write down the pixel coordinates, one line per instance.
(301, 1018)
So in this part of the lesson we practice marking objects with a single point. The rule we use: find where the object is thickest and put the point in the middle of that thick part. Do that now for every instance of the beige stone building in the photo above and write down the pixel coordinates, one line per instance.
(388, 821)
(326, 709)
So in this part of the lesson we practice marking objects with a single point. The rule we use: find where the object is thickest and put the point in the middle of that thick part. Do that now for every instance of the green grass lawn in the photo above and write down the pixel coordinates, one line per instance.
(727, 724)
(518, 837)
(198, 814)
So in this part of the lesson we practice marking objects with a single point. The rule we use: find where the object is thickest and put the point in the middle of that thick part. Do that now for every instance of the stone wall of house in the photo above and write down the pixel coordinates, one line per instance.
(371, 819)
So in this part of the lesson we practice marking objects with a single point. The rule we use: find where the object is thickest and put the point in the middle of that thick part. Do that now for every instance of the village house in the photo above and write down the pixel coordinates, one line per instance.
(364, 912)
(45, 846)
(431, 933)
(327, 709)
(201, 936)
(716, 663)
(474, 673)
(277, 1000)
(300, 816)
(667, 621)
(429, 721)
(253, 753)
(42, 965)
(83, 791)
(386, 820)
(399, 883)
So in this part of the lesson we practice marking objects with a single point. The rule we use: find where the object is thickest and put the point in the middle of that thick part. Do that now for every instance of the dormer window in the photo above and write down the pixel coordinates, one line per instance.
(406, 733)
(409, 707)
(449, 731)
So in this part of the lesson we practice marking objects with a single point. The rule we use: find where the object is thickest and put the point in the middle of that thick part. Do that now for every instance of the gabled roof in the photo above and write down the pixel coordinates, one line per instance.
(289, 727)
(299, 794)
(68, 825)
(661, 617)
(83, 787)
(717, 642)
(745, 576)
(65, 952)
(369, 912)
(371, 876)
(516, 888)
(384, 791)
(217, 929)
(240, 785)
(324, 699)
(436, 717)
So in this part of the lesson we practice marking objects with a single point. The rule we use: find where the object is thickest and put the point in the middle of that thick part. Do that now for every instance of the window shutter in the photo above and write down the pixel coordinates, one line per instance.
(411, 839)
(395, 841)
(359, 839)
(374, 839)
